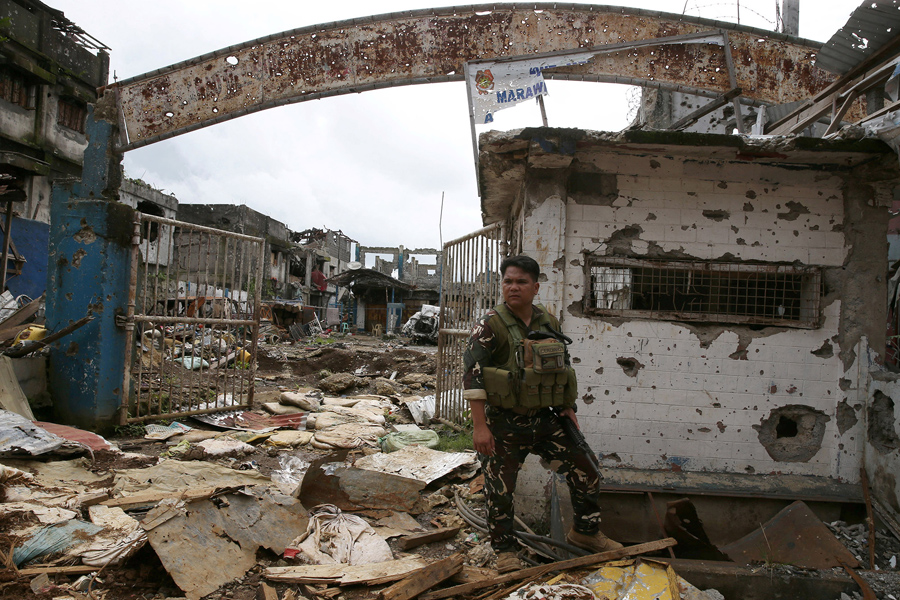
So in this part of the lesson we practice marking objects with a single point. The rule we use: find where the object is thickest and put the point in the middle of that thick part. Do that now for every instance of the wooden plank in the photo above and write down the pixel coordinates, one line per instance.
(50, 570)
(266, 592)
(435, 535)
(470, 574)
(370, 574)
(142, 499)
(22, 314)
(581, 561)
(424, 579)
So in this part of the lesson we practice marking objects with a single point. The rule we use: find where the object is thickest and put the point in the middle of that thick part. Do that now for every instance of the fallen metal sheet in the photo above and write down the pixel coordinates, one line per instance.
(19, 437)
(211, 542)
(350, 488)
(177, 476)
(371, 574)
(795, 536)
(76, 436)
(12, 398)
(250, 421)
(416, 462)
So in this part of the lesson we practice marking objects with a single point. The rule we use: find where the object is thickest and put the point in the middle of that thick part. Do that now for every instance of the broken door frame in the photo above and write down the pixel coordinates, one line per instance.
(202, 268)
(470, 286)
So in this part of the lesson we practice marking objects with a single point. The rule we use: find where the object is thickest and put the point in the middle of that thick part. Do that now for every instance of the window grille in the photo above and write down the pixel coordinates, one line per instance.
(71, 114)
(719, 292)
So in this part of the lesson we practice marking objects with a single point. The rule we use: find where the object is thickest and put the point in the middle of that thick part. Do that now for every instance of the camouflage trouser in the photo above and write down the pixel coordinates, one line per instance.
(515, 437)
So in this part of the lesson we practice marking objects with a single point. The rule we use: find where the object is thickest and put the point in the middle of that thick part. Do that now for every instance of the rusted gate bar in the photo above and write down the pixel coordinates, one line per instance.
(469, 287)
(192, 320)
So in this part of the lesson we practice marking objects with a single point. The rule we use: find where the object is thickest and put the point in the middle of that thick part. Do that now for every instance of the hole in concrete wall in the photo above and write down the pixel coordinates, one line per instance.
(882, 431)
(792, 433)
(786, 427)
(795, 209)
(630, 365)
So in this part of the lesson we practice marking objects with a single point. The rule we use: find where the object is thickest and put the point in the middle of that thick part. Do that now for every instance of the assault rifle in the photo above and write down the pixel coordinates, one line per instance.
(577, 437)
(568, 424)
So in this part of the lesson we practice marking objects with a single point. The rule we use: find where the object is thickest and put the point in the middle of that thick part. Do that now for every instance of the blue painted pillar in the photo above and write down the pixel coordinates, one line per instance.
(88, 274)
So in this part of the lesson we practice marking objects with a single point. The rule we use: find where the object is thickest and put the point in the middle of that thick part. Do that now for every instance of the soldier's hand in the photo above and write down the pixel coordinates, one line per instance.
(483, 440)
(568, 412)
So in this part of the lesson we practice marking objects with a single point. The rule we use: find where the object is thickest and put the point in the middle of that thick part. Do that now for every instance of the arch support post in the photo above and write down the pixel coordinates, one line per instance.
(88, 274)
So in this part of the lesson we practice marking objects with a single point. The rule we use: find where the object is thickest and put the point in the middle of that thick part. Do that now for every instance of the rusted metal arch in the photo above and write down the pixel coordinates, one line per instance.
(433, 45)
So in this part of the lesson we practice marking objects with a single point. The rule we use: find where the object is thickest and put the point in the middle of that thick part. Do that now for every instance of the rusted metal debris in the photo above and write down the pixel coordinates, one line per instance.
(794, 536)
(432, 45)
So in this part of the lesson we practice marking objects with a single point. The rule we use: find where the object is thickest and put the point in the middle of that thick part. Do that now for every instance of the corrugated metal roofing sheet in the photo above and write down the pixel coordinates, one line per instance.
(870, 27)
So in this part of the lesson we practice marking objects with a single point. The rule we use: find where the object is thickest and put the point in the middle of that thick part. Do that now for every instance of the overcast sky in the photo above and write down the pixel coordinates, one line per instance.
(373, 165)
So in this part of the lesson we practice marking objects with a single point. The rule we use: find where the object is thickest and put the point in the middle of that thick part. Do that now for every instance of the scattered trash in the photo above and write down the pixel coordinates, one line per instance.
(289, 477)
(164, 432)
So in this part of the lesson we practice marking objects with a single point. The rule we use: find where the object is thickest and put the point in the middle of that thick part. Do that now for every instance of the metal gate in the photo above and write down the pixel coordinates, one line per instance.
(192, 321)
(470, 286)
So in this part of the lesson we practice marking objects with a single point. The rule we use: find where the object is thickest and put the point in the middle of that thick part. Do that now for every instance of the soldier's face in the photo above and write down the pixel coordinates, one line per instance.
(519, 288)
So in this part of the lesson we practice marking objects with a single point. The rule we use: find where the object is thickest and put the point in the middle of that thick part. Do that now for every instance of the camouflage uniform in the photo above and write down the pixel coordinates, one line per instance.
(518, 433)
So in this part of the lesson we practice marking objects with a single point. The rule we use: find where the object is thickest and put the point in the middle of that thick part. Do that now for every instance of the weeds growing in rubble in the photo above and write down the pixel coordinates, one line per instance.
(454, 441)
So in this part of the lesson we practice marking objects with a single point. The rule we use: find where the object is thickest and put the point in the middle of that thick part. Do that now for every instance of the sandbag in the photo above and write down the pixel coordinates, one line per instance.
(400, 439)
(335, 537)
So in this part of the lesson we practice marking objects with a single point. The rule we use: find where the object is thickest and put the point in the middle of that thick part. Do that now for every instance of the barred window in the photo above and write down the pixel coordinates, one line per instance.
(14, 88)
(719, 292)
(71, 114)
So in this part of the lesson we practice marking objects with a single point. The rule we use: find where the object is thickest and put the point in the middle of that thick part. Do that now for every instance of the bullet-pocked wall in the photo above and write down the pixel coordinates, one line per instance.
(721, 292)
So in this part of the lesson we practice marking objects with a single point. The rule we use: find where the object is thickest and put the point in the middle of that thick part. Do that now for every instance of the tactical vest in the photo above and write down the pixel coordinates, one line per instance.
(517, 384)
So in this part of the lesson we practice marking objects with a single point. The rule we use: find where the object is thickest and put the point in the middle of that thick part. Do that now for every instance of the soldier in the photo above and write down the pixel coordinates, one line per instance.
(511, 399)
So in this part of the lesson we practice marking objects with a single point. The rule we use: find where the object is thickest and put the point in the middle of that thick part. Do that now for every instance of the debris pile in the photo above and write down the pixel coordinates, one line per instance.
(322, 494)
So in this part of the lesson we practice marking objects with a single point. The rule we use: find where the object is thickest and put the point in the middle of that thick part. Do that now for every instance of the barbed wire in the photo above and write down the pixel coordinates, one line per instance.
(735, 8)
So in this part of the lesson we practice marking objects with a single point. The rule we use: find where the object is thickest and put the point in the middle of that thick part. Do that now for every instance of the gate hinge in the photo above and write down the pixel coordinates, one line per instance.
(122, 321)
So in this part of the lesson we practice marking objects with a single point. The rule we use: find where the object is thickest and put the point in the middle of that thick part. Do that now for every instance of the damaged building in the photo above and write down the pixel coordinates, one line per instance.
(50, 70)
(726, 295)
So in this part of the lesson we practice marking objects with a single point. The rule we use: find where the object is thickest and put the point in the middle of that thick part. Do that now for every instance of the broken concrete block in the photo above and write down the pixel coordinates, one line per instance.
(340, 382)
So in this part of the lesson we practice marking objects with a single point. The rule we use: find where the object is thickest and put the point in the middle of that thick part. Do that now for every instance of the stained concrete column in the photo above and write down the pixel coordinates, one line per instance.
(88, 274)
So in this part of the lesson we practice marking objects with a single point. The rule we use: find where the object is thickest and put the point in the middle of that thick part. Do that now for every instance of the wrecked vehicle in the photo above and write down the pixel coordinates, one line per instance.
(424, 326)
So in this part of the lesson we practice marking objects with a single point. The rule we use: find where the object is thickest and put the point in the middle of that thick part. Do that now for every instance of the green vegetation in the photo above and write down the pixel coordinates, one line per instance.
(454, 441)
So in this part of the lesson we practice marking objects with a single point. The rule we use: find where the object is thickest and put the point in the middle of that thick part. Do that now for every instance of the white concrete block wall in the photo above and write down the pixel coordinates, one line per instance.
(693, 407)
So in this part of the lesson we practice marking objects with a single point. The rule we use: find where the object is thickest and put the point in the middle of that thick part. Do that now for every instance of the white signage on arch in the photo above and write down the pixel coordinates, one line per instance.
(498, 85)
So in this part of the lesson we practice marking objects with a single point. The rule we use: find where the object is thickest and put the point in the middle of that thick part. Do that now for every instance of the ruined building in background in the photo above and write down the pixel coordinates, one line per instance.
(419, 268)
(330, 251)
(50, 70)
(245, 220)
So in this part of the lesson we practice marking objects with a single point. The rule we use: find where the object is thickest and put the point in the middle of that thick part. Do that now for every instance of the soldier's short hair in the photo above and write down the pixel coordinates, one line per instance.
(526, 263)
